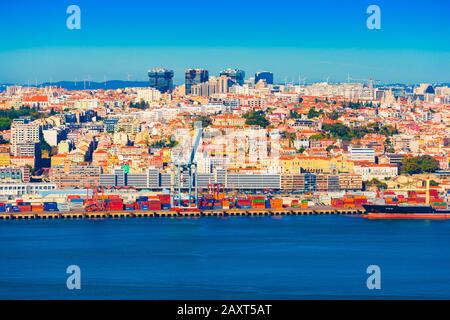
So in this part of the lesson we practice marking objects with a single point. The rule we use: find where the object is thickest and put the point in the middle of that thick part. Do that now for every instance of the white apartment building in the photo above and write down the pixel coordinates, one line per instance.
(148, 95)
(372, 171)
(362, 154)
(23, 131)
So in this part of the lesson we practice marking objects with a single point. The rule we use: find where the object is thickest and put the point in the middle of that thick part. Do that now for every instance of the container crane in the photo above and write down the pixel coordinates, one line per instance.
(191, 168)
(96, 202)
(426, 189)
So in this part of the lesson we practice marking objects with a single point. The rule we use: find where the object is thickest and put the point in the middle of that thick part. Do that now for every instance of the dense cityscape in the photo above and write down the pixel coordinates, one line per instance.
(302, 144)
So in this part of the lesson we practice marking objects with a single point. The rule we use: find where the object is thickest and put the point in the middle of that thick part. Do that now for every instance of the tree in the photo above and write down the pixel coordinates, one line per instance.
(388, 147)
(6, 116)
(313, 113)
(206, 121)
(294, 114)
(164, 144)
(434, 183)
(291, 136)
(339, 130)
(334, 115)
(256, 118)
(376, 183)
(142, 105)
(418, 165)
(317, 137)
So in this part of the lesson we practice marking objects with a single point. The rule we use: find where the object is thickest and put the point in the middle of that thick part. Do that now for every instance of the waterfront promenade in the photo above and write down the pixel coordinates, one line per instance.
(169, 213)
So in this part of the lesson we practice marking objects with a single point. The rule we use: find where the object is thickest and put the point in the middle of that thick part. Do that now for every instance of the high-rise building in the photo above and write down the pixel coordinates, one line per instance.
(161, 79)
(236, 75)
(215, 85)
(194, 77)
(264, 75)
(23, 131)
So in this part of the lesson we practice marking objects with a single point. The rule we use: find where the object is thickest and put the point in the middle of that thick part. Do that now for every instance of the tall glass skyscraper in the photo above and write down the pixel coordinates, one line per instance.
(161, 79)
(193, 77)
(236, 75)
(264, 75)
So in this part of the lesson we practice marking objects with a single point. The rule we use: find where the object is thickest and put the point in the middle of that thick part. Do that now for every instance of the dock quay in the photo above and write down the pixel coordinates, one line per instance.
(72, 215)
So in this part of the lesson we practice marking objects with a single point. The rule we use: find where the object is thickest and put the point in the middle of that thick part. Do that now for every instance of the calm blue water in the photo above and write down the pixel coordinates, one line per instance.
(225, 258)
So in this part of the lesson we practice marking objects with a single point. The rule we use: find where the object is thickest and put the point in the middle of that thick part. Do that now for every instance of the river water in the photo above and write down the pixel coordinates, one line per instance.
(298, 257)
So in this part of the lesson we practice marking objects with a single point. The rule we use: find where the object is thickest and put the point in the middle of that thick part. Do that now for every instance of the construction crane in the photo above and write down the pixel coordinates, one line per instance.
(191, 168)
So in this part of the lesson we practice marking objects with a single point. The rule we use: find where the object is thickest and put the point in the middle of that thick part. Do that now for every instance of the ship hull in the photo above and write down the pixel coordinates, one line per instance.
(406, 216)
(379, 212)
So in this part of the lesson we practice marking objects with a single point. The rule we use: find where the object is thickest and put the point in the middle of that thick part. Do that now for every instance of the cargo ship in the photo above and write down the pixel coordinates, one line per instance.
(405, 211)
(437, 211)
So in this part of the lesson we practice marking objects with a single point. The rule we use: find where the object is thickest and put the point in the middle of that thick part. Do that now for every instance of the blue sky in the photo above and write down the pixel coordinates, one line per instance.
(314, 39)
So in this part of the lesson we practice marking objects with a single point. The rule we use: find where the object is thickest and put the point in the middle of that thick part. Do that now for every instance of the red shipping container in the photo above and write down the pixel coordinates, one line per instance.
(24, 208)
(154, 205)
(164, 198)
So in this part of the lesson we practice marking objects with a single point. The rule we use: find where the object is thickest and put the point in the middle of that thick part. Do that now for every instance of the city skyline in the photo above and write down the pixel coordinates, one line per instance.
(116, 42)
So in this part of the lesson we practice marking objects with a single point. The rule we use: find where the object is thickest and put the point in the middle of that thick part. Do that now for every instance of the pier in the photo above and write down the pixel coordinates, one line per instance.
(72, 215)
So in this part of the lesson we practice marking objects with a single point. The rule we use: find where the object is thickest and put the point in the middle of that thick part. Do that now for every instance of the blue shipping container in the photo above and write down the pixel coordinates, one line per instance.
(50, 206)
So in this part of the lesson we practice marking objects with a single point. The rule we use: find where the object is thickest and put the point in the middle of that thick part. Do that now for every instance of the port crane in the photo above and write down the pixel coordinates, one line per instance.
(190, 166)
(426, 189)
(95, 202)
